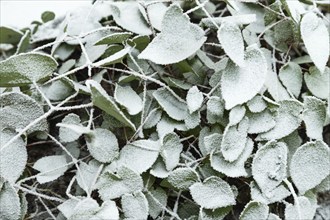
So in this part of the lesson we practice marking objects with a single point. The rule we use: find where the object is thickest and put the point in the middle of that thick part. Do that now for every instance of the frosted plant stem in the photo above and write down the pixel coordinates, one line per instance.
(97, 174)
(176, 205)
(47, 209)
(66, 74)
(43, 95)
(90, 121)
(39, 194)
(68, 189)
(207, 13)
(68, 108)
(296, 201)
(200, 5)
(88, 61)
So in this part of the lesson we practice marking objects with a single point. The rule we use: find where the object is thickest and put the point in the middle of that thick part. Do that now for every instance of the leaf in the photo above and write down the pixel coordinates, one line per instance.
(269, 166)
(231, 40)
(26, 68)
(314, 116)
(9, 35)
(318, 83)
(102, 145)
(215, 105)
(167, 125)
(156, 207)
(86, 175)
(236, 114)
(114, 38)
(214, 214)
(171, 150)
(50, 168)
(310, 165)
(13, 158)
(24, 43)
(114, 58)
(67, 134)
(254, 210)
(291, 76)
(305, 207)
(234, 139)
(102, 100)
(294, 8)
(257, 104)
(178, 39)
(139, 155)
(275, 87)
(128, 98)
(153, 12)
(173, 106)
(183, 178)
(232, 169)
(276, 195)
(212, 193)
(241, 84)
(153, 118)
(316, 39)
(192, 120)
(272, 216)
(19, 110)
(114, 185)
(287, 118)
(47, 16)
(108, 210)
(237, 19)
(135, 206)
(261, 122)
(86, 208)
(212, 143)
(57, 90)
(194, 99)
(9, 203)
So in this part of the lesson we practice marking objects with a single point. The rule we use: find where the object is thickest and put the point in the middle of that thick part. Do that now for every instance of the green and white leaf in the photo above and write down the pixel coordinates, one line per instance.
(260, 122)
(114, 38)
(276, 195)
(128, 98)
(291, 76)
(214, 214)
(170, 150)
(183, 178)
(157, 200)
(318, 83)
(236, 114)
(257, 104)
(9, 203)
(9, 35)
(254, 210)
(67, 134)
(194, 99)
(135, 206)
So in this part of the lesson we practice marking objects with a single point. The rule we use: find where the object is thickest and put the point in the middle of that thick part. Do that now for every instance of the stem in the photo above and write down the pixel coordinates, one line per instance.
(296, 200)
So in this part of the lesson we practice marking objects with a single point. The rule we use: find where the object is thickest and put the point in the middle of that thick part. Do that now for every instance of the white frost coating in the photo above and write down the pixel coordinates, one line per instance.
(108, 210)
(316, 39)
(156, 12)
(86, 175)
(178, 40)
(215, 105)
(269, 166)
(240, 84)
(212, 193)
(257, 104)
(113, 38)
(291, 76)
(135, 206)
(13, 158)
(234, 139)
(174, 107)
(183, 178)
(153, 118)
(167, 125)
(211, 143)
(216, 214)
(194, 99)
(231, 39)
(275, 87)
(314, 116)
(310, 165)
(236, 19)
(306, 208)
(85, 208)
(232, 169)
(254, 210)
(128, 98)
(159, 170)
(9, 202)
(171, 150)
(67, 134)
(296, 9)
(53, 166)
(102, 145)
(276, 195)
(155, 208)
(139, 155)
(113, 186)
(115, 58)
(192, 120)
(236, 114)
(261, 122)
(318, 83)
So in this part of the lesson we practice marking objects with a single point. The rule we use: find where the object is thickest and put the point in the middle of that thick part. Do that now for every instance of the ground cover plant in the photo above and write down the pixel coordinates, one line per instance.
(202, 110)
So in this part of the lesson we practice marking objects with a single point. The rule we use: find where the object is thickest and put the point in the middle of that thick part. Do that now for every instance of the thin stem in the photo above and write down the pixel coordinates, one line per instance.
(38, 194)
(296, 200)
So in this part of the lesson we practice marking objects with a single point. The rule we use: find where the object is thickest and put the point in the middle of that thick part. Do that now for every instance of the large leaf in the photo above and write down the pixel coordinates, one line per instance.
(9, 203)
(178, 40)
(135, 206)
(9, 35)
(318, 83)
(183, 178)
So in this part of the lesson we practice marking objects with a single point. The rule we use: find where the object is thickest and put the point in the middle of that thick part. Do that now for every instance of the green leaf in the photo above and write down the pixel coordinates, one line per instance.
(318, 83)
(156, 207)
(214, 214)
(310, 165)
(316, 39)
(291, 76)
(178, 39)
(26, 68)
(254, 210)
(24, 43)
(13, 158)
(171, 150)
(128, 98)
(114, 38)
(231, 40)
(105, 102)
(135, 206)
(241, 84)
(212, 193)
(183, 178)
(67, 134)
(194, 99)
(47, 16)
(9, 35)
(102, 145)
(9, 203)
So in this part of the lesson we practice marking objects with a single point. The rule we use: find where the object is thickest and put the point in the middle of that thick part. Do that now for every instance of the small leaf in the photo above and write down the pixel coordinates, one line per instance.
(135, 206)
(214, 214)
(194, 99)
(26, 68)
(102, 145)
(50, 168)
(318, 83)
(212, 193)
(275, 87)
(316, 39)
(153, 118)
(215, 105)
(66, 134)
(261, 122)
(171, 150)
(183, 178)
(230, 37)
(178, 39)
(156, 207)
(303, 208)
(291, 76)
(128, 98)
(212, 143)
(236, 114)
(47, 16)
(310, 165)
(9, 203)
(9, 35)
(85, 208)
(87, 174)
(192, 120)
(254, 210)
(114, 38)
(257, 104)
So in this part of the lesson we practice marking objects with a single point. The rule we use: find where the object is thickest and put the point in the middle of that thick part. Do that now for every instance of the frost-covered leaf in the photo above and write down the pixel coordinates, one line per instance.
(237, 19)
(275, 87)
(212, 142)
(272, 216)
(105, 102)
(114, 58)
(260, 122)
(108, 210)
(269, 166)
(316, 39)
(236, 114)
(19, 110)
(178, 39)
(156, 12)
(235, 168)
(139, 155)
(153, 118)
(114, 185)
(156, 207)
(171, 150)
(314, 116)
(257, 104)
(176, 108)
(66, 134)
(192, 120)
(318, 83)
(291, 76)
(57, 90)
(254, 210)
(231, 40)
(13, 158)
(194, 99)
(234, 140)
(183, 178)
(303, 209)
(276, 195)
(114, 38)
(295, 9)
(128, 98)
(310, 165)
(9, 35)
(85, 208)
(214, 214)
(212, 193)
(241, 84)
(167, 125)
(102, 145)
(26, 68)
(86, 175)
(287, 118)
(9, 203)
(135, 206)
(24, 43)
(215, 105)
(50, 168)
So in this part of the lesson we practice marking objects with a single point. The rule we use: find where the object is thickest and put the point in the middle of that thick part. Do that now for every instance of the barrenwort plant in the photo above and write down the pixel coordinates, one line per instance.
(163, 109)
